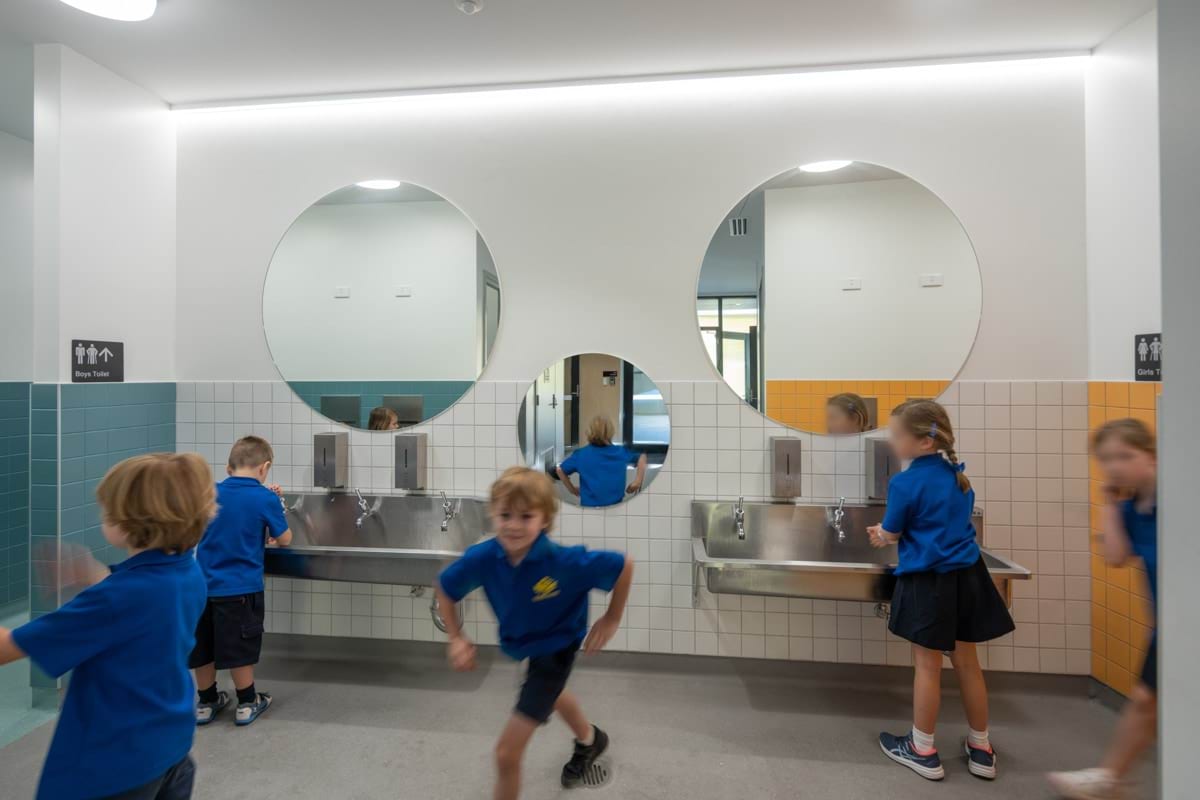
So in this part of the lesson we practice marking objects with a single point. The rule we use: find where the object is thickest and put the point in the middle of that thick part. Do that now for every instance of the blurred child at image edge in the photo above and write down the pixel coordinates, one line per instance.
(538, 590)
(944, 601)
(1128, 458)
(127, 722)
(229, 635)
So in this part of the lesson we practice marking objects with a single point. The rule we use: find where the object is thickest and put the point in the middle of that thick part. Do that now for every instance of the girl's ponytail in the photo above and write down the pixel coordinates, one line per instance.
(928, 418)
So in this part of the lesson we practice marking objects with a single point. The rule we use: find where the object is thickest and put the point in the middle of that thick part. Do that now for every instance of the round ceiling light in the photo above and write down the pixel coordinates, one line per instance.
(383, 183)
(824, 166)
(123, 10)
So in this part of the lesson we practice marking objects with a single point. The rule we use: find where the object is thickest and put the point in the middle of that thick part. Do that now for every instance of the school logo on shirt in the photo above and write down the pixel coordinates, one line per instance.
(544, 589)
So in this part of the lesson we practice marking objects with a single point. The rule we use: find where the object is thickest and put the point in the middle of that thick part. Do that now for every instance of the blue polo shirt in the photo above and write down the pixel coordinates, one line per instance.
(130, 710)
(601, 472)
(932, 516)
(540, 603)
(1143, 536)
(231, 551)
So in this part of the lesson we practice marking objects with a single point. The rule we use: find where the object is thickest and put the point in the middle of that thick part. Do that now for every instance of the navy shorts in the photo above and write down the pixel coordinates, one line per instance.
(1150, 665)
(230, 632)
(936, 609)
(545, 679)
(174, 784)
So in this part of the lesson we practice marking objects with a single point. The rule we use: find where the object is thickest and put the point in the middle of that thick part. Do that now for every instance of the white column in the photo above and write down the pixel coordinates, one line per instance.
(1179, 464)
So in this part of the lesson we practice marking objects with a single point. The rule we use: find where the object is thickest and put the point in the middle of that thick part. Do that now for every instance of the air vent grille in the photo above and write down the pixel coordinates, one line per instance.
(739, 226)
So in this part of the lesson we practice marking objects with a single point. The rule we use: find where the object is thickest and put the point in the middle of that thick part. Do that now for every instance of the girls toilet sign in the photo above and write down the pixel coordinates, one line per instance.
(1148, 356)
(94, 361)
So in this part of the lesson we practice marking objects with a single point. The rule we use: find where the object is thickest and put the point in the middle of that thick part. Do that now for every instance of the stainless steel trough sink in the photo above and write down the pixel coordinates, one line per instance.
(395, 539)
(794, 551)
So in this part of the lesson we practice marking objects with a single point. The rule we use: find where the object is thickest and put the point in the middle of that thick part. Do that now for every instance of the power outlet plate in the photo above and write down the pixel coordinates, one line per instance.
(341, 292)
(932, 279)
(851, 284)
(403, 291)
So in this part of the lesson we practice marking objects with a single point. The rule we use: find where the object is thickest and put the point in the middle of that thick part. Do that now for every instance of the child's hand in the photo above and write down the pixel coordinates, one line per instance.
(881, 538)
(277, 489)
(634, 487)
(462, 654)
(601, 634)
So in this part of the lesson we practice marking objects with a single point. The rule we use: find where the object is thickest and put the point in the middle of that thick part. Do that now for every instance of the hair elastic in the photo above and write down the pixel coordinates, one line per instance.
(932, 431)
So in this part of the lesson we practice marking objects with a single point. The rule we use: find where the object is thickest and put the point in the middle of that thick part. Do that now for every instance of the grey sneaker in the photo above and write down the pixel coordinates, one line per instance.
(207, 712)
(248, 712)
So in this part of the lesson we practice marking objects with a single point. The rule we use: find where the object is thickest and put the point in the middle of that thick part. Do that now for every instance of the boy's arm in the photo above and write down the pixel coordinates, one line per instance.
(640, 477)
(461, 649)
(9, 652)
(278, 531)
(1115, 539)
(606, 627)
(283, 539)
(566, 481)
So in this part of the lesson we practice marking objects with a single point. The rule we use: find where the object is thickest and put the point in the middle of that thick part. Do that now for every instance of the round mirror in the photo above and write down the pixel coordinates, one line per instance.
(598, 426)
(836, 291)
(381, 305)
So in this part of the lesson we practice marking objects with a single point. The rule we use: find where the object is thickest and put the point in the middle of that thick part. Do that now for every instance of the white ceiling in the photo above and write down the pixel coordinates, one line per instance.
(207, 50)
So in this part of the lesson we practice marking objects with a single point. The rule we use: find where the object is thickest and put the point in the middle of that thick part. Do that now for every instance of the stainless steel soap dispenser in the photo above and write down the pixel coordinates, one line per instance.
(331, 460)
(411, 451)
(785, 467)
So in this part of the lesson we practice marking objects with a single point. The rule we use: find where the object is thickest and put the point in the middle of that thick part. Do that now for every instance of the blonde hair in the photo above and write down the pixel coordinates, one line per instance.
(161, 500)
(600, 431)
(1132, 432)
(521, 489)
(926, 418)
(382, 418)
(250, 452)
(854, 407)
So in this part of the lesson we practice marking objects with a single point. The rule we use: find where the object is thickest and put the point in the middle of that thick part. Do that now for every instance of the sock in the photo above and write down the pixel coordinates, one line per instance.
(208, 695)
(590, 739)
(922, 742)
(247, 695)
(978, 740)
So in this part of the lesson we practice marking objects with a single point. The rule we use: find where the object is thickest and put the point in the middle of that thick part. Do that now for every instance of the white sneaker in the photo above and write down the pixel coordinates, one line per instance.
(1087, 784)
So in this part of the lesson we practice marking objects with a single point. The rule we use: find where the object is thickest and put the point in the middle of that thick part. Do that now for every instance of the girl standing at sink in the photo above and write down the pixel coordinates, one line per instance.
(944, 601)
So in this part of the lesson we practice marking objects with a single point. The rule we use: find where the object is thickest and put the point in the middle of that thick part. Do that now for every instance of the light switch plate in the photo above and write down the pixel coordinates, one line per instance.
(403, 291)
(932, 279)
(851, 284)
(341, 292)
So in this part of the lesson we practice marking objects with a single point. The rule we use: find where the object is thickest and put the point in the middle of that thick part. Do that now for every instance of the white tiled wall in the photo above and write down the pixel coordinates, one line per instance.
(1025, 445)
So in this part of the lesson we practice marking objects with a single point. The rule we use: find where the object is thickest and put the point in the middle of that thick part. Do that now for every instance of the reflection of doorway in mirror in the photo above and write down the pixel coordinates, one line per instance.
(730, 330)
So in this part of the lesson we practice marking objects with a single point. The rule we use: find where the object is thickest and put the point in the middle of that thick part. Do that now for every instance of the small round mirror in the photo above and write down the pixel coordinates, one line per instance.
(836, 291)
(381, 305)
(598, 426)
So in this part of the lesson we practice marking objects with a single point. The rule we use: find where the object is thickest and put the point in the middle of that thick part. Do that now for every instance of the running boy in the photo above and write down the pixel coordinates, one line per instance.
(539, 593)
(229, 635)
(1128, 458)
(127, 722)
(944, 600)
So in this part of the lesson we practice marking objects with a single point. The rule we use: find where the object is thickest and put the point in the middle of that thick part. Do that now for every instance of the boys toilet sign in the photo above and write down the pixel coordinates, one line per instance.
(1148, 356)
(94, 361)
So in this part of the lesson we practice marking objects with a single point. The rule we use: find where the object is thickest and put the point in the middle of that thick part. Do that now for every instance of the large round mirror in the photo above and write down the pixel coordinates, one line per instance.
(381, 305)
(836, 291)
(597, 425)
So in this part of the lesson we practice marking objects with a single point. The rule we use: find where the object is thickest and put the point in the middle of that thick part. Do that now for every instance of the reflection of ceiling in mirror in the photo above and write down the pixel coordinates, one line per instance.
(356, 195)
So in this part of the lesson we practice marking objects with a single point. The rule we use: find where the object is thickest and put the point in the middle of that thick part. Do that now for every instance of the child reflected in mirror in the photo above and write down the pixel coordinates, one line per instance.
(846, 413)
(601, 466)
(383, 419)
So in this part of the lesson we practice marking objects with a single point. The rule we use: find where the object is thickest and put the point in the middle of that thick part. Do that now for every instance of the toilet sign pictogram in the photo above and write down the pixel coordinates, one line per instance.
(95, 361)
(1148, 356)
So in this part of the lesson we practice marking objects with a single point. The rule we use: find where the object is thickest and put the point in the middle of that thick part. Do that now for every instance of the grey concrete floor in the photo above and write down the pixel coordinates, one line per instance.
(359, 719)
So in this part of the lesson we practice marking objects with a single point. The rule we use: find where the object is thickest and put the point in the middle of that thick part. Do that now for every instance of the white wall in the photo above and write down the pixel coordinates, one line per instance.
(1123, 252)
(104, 217)
(599, 202)
(886, 233)
(1179, 425)
(373, 248)
(16, 258)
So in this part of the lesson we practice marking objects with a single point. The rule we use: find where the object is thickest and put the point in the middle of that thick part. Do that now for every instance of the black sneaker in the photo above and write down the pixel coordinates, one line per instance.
(901, 750)
(583, 757)
(980, 763)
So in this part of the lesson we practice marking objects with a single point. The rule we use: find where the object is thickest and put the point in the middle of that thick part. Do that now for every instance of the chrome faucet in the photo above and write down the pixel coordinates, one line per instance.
(837, 516)
(739, 518)
(363, 509)
(449, 511)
